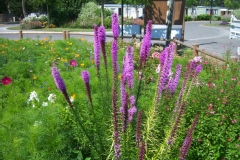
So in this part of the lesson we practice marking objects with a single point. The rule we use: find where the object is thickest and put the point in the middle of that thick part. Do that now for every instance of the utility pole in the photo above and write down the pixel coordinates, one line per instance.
(211, 11)
(122, 20)
(169, 21)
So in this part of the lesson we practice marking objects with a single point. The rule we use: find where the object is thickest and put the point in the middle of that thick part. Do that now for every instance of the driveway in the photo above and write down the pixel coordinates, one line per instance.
(214, 40)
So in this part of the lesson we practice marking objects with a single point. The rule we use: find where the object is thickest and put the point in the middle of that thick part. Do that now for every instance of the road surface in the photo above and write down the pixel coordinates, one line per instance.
(214, 40)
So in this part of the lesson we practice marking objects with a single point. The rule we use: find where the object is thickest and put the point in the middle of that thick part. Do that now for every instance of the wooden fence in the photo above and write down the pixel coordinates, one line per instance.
(194, 48)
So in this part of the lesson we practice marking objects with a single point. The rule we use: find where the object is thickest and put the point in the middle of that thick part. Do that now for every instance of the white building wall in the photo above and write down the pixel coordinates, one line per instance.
(128, 11)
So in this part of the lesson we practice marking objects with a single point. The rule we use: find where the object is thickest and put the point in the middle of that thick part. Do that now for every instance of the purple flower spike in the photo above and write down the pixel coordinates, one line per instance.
(96, 47)
(85, 76)
(58, 80)
(115, 25)
(101, 33)
(128, 67)
(146, 45)
(198, 69)
(176, 78)
(163, 57)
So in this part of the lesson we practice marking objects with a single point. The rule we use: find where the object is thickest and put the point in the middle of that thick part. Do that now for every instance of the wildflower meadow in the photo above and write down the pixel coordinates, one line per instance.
(72, 99)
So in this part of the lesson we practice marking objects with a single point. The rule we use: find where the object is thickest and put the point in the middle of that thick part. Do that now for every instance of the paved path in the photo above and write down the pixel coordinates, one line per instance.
(214, 40)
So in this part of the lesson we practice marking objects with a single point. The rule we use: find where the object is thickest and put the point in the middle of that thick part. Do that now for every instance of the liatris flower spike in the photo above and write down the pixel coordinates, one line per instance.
(61, 85)
(58, 80)
(86, 78)
(115, 25)
(96, 48)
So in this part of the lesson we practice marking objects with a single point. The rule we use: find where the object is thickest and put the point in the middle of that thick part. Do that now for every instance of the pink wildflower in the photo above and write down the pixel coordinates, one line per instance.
(73, 63)
(6, 80)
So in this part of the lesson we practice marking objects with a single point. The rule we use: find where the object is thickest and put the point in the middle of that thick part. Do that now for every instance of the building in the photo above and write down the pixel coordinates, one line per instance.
(128, 10)
(217, 11)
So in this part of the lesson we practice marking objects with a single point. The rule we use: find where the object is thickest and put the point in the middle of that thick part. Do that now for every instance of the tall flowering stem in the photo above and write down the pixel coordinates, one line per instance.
(61, 85)
(174, 83)
(86, 78)
(177, 122)
(96, 49)
(115, 25)
(188, 140)
(138, 128)
(144, 54)
(141, 152)
(114, 86)
(102, 40)
(146, 45)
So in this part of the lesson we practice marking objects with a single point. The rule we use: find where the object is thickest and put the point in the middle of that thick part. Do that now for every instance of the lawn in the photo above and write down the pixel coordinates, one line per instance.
(71, 99)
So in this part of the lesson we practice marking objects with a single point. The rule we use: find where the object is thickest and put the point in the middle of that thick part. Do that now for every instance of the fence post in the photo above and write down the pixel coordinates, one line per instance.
(176, 45)
(20, 34)
(195, 51)
(68, 34)
(64, 35)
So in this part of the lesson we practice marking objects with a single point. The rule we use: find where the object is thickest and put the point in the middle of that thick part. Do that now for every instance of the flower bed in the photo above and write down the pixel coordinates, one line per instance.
(71, 99)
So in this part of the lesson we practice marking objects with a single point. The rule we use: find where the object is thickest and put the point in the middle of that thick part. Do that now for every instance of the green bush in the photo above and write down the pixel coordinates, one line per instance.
(226, 18)
(236, 13)
(203, 17)
(58, 17)
(91, 14)
(188, 18)
(216, 18)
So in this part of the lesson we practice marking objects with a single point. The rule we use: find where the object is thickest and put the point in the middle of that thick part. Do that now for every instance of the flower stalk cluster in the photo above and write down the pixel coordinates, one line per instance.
(126, 86)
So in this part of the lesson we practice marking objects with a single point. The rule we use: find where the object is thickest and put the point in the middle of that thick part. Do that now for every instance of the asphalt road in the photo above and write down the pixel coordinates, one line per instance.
(214, 40)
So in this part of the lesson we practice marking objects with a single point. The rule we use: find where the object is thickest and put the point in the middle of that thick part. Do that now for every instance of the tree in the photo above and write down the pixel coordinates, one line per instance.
(232, 4)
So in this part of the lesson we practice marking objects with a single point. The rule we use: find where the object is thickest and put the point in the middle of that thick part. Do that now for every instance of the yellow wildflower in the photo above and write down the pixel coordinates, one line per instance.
(45, 39)
(73, 52)
(92, 61)
(82, 64)
(66, 49)
(70, 43)
(77, 55)
(2, 52)
(34, 77)
(82, 39)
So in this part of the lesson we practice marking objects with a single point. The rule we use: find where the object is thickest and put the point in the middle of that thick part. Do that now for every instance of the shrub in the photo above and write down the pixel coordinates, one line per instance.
(226, 18)
(188, 18)
(203, 17)
(216, 18)
(58, 17)
(91, 14)
(31, 23)
(236, 13)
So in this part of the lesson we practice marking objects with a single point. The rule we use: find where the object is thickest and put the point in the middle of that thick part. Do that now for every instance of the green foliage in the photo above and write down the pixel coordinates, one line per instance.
(91, 14)
(203, 17)
(236, 13)
(188, 18)
(216, 18)
(232, 4)
(226, 18)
